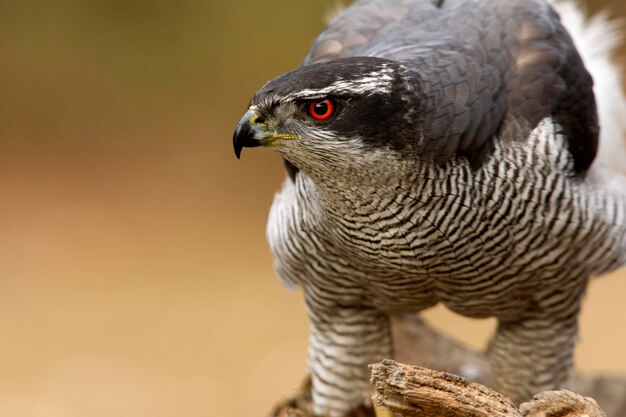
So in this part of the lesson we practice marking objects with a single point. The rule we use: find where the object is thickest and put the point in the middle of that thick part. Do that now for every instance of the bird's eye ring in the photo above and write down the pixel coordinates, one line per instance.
(321, 109)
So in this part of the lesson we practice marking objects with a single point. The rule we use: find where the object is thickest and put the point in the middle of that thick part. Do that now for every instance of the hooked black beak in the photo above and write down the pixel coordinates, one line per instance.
(247, 135)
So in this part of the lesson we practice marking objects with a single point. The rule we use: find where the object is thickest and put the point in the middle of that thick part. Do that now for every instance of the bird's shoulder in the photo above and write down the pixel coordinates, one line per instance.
(485, 65)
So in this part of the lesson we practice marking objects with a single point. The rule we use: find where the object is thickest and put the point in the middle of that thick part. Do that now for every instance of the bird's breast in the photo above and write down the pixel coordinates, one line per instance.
(479, 241)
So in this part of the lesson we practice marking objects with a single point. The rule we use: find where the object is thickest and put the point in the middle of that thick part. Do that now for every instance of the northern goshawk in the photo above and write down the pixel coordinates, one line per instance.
(438, 151)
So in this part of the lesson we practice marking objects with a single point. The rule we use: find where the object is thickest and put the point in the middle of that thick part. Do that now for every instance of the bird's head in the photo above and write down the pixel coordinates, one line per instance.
(341, 116)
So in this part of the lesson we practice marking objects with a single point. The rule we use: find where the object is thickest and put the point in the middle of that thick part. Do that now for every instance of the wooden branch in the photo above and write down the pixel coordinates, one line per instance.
(608, 390)
(561, 403)
(414, 391)
(417, 391)
(419, 344)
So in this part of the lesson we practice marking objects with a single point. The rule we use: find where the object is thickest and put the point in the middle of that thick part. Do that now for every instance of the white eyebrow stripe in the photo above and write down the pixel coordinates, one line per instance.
(379, 81)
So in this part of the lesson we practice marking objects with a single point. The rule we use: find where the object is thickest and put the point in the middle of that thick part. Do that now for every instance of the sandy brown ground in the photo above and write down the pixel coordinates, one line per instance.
(134, 275)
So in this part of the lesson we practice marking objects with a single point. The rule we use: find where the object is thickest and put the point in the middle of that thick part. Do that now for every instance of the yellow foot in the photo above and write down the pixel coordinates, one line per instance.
(381, 412)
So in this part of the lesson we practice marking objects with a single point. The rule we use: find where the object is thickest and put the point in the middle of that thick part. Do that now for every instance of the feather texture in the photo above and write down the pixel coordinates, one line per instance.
(454, 170)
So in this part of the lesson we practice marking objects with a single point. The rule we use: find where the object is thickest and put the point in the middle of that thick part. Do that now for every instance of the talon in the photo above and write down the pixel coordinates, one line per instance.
(382, 412)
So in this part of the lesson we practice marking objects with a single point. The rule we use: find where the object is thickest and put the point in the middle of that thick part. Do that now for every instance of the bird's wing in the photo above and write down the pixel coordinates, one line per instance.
(491, 70)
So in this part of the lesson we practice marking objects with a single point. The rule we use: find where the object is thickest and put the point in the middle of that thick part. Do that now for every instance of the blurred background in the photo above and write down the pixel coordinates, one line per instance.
(134, 275)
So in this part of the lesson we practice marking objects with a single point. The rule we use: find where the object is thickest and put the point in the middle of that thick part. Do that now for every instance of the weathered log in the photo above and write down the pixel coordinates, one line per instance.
(414, 391)
(560, 403)
(417, 343)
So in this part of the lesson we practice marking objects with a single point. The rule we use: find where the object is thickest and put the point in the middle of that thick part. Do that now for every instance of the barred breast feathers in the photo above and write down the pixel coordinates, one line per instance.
(301, 231)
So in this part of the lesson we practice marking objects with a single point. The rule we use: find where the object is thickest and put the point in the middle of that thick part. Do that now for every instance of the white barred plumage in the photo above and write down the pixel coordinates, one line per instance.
(442, 235)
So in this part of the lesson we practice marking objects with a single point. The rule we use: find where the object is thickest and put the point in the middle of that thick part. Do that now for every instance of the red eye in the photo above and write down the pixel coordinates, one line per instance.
(321, 109)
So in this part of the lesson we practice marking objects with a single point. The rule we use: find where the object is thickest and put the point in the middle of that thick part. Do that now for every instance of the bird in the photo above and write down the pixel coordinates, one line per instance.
(443, 152)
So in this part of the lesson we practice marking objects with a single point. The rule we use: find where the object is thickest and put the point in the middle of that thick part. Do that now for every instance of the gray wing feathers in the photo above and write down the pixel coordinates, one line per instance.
(484, 65)
(357, 26)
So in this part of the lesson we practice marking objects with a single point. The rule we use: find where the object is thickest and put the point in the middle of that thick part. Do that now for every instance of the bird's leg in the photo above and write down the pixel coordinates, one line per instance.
(535, 353)
(343, 342)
